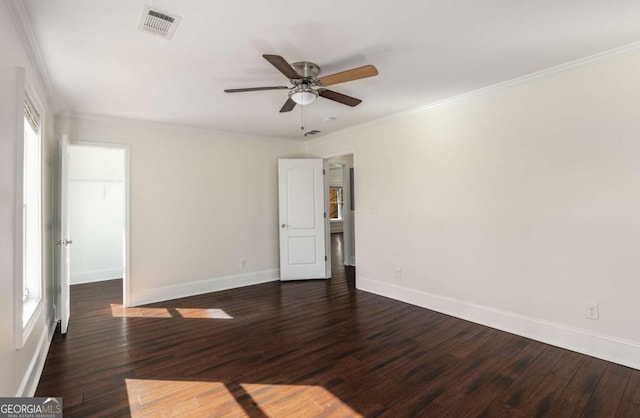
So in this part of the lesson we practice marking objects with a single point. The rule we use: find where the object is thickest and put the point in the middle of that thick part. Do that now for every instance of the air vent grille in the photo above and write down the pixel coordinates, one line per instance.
(159, 23)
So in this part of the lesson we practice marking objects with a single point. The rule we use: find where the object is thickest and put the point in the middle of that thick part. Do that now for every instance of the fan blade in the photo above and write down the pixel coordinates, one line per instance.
(255, 89)
(288, 106)
(340, 98)
(283, 66)
(349, 75)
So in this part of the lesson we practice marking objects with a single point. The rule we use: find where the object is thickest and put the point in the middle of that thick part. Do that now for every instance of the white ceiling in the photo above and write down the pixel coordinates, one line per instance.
(100, 64)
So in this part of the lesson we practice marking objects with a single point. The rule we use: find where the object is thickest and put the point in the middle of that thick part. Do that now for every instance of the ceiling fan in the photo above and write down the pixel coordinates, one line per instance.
(307, 86)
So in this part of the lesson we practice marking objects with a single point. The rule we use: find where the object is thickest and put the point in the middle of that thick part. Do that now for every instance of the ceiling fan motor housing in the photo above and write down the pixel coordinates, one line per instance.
(307, 70)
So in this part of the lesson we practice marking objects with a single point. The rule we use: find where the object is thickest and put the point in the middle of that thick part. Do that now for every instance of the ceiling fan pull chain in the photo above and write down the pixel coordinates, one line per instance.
(302, 118)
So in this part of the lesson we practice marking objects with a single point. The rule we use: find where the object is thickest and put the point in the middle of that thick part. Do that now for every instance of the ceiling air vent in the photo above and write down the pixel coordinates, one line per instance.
(158, 23)
(312, 132)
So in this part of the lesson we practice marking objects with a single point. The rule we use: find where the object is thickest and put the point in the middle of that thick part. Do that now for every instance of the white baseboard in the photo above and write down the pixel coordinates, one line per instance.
(602, 346)
(31, 377)
(159, 294)
(91, 276)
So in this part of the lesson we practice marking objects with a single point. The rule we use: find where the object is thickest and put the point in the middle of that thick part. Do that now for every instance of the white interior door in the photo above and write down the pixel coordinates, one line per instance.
(65, 241)
(303, 221)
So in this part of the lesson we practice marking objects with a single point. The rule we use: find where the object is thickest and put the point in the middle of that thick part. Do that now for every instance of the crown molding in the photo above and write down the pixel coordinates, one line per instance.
(21, 21)
(454, 100)
(172, 125)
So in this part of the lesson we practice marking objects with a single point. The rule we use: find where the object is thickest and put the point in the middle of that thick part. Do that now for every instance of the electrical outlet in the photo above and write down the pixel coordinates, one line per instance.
(592, 312)
(398, 273)
(243, 263)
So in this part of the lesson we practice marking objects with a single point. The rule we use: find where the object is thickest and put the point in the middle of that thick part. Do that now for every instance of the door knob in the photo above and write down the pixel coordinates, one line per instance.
(283, 225)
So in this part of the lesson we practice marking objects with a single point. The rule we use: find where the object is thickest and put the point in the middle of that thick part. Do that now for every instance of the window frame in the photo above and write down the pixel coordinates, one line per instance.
(339, 203)
(27, 311)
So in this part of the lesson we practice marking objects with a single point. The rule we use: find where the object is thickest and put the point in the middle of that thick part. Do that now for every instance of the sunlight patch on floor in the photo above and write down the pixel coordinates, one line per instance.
(118, 311)
(167, 398)
(297, 401)
(196, 398)
(203, 313)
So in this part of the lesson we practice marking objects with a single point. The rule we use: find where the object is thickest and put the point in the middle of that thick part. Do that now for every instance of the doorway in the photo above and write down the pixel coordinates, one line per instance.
(96, 208)
(341, 212)
(95, 212)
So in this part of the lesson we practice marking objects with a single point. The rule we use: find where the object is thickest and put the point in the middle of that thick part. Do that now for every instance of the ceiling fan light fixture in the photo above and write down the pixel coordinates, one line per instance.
(303, 95)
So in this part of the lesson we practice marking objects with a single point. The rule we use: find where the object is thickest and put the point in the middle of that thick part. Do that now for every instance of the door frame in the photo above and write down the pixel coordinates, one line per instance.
(126, 279)
(349, 259)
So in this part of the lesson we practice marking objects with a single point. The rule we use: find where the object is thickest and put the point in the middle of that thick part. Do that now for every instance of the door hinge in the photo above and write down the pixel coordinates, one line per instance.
(325, 258)
(324, 173)
(325, 214)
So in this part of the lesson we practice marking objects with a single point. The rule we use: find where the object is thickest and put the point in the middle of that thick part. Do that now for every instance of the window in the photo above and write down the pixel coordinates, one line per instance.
(335, 203)
(31, 212)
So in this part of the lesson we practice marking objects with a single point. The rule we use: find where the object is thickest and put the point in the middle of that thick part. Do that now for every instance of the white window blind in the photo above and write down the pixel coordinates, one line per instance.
(31, 115)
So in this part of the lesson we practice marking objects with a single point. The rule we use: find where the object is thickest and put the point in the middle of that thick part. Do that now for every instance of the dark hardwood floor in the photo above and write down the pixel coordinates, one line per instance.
(313, 348)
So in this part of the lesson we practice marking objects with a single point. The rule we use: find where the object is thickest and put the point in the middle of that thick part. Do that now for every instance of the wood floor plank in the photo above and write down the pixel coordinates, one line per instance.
(584, 382)
(605, 400)
(525, 385)
(543, 398)
(632, 392)
(469, 382)
(521, 360)
(563, 408)
(569, 364)
(628, 410)
(501, 410)
(482, 397)
(312, 349)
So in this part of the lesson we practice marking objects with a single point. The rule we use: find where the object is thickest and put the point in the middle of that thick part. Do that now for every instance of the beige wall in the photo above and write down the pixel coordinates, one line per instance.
(521, 203)
(15, 378)
(201, 202)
